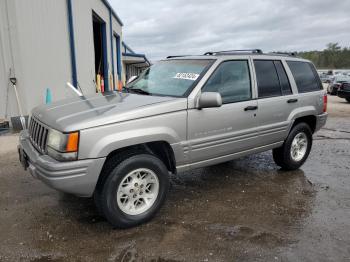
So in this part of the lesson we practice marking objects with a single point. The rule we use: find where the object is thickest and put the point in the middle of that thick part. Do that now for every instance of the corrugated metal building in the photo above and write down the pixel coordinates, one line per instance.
(46, 43)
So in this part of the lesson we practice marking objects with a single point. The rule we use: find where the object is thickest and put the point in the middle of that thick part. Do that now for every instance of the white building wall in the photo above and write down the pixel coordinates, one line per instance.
(41, 49)
(10, 59)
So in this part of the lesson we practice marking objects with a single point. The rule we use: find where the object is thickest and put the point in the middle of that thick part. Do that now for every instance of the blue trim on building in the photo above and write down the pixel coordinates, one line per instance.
(137, 55)
(105, 59)
(113, 12)
(119, 59)
(111, 36)
(127, 48)
(72, 43)
(133, 54)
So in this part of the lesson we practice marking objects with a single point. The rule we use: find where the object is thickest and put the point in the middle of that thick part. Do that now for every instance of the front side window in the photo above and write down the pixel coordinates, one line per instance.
(304, 75)
(267, 78)
(232, 80)
(170, 77)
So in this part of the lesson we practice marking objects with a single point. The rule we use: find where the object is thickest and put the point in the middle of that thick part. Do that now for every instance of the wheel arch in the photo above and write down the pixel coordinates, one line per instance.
(310, 120)
(306, 115)
(160, 149)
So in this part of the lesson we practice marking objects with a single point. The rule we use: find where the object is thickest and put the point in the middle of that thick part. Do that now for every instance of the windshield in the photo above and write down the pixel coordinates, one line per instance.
(170, 77)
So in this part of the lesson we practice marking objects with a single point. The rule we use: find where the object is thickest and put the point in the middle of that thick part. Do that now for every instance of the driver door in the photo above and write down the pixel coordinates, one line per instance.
(216, 133)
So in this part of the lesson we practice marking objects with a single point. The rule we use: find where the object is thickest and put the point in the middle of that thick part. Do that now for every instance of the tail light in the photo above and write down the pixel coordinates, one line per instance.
(325, 100)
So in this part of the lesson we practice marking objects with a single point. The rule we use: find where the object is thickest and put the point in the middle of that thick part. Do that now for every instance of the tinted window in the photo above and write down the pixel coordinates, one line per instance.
(304, 76)
(284, 82)
(268, 82)
(232, 80)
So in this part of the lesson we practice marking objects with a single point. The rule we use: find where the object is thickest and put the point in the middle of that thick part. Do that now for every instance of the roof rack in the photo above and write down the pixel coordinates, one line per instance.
(228, 52)
(175, 56)
(284, 53)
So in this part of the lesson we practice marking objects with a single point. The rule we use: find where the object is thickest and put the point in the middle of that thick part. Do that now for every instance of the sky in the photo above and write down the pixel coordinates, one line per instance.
(160, 28)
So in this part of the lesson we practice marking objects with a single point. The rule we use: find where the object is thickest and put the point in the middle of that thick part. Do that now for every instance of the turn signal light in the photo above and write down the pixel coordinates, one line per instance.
(72, 142)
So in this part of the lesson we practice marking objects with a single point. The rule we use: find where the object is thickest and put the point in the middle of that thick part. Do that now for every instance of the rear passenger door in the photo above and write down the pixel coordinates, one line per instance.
(275, 100)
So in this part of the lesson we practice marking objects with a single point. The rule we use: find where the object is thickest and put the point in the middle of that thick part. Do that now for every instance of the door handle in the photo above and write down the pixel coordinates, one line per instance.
(250, 108)
(294, 100)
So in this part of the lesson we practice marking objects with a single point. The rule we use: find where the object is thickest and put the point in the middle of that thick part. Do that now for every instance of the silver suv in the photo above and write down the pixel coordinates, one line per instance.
(181, 113)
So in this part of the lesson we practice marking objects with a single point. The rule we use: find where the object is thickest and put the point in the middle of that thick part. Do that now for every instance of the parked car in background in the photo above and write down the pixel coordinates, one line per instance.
(344, 91)
(336, 83)
(181, 113)
(325, 78)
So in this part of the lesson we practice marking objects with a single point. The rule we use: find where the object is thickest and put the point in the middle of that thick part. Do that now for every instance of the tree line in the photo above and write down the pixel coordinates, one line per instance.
(333, 57)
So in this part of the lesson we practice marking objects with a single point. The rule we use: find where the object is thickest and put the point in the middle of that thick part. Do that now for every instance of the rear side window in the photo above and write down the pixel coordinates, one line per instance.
(284, 82)
(304, 76)
(268, 82)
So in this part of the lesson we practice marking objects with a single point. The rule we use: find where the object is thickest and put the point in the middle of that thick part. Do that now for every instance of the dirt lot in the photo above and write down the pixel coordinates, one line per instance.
(244, 210)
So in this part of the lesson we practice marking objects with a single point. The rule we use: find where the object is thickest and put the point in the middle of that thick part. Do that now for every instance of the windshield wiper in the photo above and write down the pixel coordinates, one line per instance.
(139, 91)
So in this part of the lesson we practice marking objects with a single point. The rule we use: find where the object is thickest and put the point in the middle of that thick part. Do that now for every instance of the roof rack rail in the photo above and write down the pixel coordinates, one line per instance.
(284, 53)
(253, 51)
(174, 56)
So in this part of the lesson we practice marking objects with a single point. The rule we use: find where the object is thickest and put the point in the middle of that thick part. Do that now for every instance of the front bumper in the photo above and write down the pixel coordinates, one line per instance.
(321, 121)
(343, 94)
(75, 177)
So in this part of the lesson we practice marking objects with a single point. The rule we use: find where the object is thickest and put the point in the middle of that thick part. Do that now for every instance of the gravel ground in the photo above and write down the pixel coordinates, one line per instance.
(243, 210)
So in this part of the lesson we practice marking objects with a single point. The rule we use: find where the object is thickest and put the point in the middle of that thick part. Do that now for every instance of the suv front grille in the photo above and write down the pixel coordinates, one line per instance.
(38, 134)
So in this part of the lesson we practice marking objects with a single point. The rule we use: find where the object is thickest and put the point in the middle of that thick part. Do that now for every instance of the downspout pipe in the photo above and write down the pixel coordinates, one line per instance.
(111, 38)
(72, 43)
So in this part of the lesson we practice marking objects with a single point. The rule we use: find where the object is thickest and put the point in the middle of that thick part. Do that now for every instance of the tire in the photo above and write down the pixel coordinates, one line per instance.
(123, 188)
(291, 159)
(348, 99)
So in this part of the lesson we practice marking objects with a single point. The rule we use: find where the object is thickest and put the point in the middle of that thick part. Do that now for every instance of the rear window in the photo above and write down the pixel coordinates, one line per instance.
(304, 75)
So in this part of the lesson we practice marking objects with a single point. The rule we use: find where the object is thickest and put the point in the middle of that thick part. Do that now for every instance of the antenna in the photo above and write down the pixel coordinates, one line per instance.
(74, 89)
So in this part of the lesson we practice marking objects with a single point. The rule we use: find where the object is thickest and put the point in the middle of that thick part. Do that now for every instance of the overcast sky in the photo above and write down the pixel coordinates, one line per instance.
(171, 27)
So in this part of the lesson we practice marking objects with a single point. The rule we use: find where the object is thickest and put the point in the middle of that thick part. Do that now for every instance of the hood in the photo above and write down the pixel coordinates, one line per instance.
(79, 113)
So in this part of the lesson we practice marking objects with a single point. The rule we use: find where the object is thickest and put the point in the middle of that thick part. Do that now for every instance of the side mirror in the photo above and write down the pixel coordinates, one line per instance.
(131, 79)
(209, 99)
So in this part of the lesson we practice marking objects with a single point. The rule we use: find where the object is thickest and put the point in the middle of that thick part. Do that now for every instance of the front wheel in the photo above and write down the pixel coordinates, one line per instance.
(134, 190)
(296, 148)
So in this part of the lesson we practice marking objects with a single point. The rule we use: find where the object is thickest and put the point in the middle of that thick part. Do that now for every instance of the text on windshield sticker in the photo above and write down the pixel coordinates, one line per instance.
(187, 76)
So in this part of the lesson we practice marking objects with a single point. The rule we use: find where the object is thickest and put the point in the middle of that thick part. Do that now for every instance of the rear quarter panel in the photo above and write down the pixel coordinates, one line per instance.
(310, 103)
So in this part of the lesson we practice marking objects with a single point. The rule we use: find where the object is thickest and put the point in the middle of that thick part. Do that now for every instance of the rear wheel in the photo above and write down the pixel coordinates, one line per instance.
(348, 99)
(296, 148)
(134, 190)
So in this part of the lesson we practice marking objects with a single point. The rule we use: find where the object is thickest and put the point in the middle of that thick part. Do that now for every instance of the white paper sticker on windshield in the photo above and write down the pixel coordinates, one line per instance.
(187, 76)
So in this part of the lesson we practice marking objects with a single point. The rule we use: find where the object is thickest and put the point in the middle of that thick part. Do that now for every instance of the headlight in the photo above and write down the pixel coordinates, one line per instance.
(63, 147)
